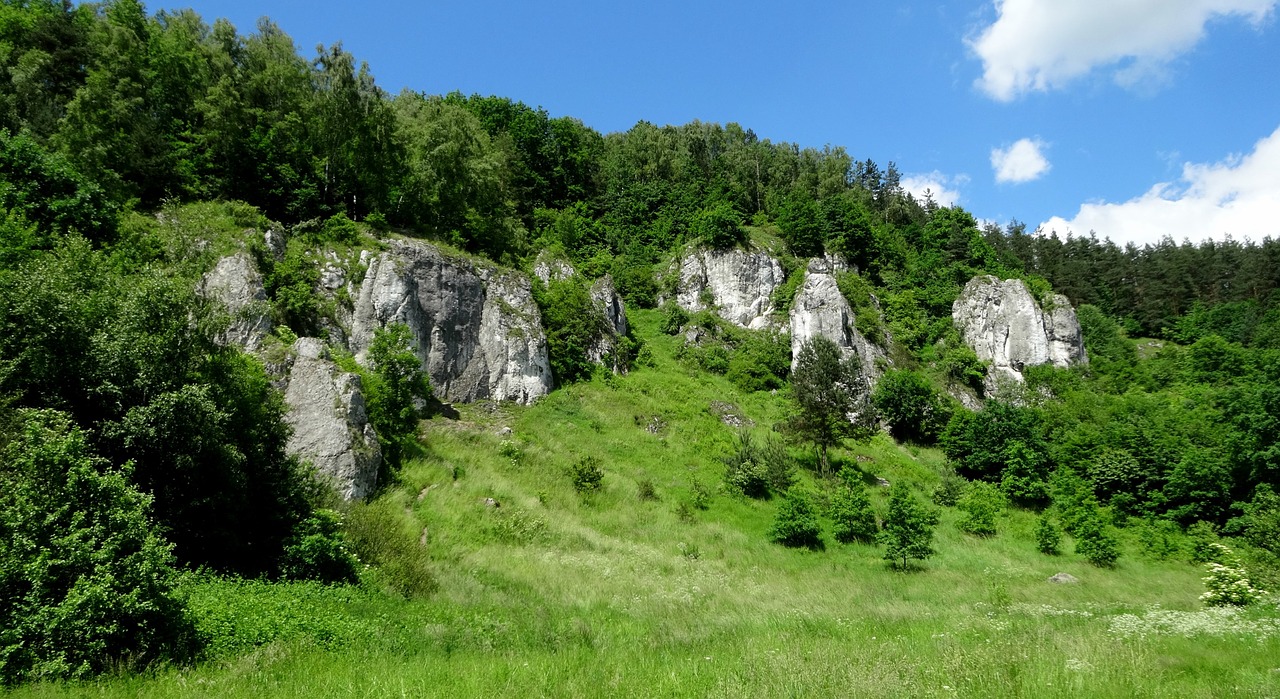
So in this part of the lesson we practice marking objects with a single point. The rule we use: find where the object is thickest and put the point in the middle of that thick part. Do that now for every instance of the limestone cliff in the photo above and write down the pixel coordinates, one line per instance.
(330, 427)
(234, 283)
(476, 328)
(820, 309)
(1004, 325)
(738, 283)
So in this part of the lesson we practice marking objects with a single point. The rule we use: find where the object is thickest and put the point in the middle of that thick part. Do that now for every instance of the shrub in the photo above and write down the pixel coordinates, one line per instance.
(1204, 543)
(908, 528)
(914, 411)
(318, 551)
(673, 318)
(1227, 583)
(851, 513)
(779, 467)
(379, 536)
(1160, 539)
(646, 491)
(84, 581)
(1096, 543)
(982, 504)
(948, 492)
(718, 225)
(586, 475)
(1048, 537)
(745, 470)
(700, 495)
(796, 523)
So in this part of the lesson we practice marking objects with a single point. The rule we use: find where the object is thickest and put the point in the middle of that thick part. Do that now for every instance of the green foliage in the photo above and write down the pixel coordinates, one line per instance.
(1227, 583)
(1048, 538)
(86, 580)
(1001, 437)
(982, 504)
(760, 361)
(1096, 541)
(317, 550)
(1198, 487)
(718, 225)
(1160, 539)
(796, 523)
(830, 398)
(673, 318)
(914, 411)
(378, 536)
(950, 489)
(1204, 542)
(396, 391)
(1025, 474)
(852, 516)
(291, 283)
(800, 220)
(574, 324)
(586, 475)
(338, 229)
(1259, 523)
(908, 528)
(757, 470)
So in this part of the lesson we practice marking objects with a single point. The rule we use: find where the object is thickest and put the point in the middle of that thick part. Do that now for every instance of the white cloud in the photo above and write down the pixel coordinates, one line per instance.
(1239, 196)
(1023, 161)
(945, 190)
(1039, 45)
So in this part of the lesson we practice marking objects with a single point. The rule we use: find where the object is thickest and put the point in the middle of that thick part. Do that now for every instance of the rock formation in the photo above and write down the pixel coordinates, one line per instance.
(330, 427)
(235, 283)
(476, 328)
(820, 309)
(1004, 325)
(606, 298)
(738, 283)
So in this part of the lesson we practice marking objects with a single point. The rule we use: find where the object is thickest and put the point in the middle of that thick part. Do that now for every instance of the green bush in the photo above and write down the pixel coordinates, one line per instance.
(1204, 543)
(673, 318)
(914, 411)
(796, 523)
(395, 387)
(982, 504)
(318, 551)
(852, 516)
(1096, 543)
(718, 225)
(586, 475)
(84, 581)
(381, 537)
(1227, 582)
(908, 528)
(1048, 537)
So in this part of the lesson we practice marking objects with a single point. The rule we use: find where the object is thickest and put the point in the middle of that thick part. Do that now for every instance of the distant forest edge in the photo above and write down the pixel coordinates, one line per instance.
(108, 108)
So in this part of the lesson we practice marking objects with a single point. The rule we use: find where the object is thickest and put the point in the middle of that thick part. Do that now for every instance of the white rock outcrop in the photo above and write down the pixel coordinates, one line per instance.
(607, 299)
(819, 309)
(477, 329)
(330, 426)
(739, 284)
(235, 283)
(1003, 324)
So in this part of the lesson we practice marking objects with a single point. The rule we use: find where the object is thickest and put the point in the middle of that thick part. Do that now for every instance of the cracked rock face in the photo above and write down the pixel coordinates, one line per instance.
(476, 329)
(235, 283)
(330, 426)
(1003, 324)
(738, 283)
(606, 298)
(820, 309)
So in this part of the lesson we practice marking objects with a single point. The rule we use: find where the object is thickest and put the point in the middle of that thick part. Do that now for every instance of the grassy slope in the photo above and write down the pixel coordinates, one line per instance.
(555, 595)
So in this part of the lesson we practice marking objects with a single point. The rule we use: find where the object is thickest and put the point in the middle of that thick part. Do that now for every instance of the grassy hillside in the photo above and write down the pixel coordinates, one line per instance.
(552, 593)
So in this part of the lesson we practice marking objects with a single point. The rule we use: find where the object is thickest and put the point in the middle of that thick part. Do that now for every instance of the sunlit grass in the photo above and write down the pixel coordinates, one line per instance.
(552, 593)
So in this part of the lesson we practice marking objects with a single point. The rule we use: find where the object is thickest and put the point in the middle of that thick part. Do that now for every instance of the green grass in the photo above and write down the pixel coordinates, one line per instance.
(609, 594)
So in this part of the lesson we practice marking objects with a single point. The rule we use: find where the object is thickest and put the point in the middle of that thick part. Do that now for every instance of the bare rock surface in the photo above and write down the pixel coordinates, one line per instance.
(235, 283)
(819, 309)
(331, 429)
(476, 328)
(1003, 324)
(739, 284)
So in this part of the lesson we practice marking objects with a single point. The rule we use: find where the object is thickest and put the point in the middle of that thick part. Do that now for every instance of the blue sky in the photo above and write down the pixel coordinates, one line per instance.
(1133, 118)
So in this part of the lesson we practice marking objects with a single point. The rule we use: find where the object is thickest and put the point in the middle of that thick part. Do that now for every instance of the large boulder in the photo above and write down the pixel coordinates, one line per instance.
(234, 283)
(819, 309)
(476, 328)
(1004, 325)
(330, 425)
(738, 283)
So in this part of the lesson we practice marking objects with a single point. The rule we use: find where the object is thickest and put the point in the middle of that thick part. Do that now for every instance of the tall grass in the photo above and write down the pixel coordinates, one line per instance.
(539, 590)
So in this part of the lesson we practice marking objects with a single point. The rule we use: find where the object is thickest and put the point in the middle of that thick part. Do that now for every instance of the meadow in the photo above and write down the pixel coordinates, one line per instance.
(664, 583)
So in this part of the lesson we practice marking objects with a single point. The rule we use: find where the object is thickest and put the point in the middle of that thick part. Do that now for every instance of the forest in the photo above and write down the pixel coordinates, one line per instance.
(140, 451)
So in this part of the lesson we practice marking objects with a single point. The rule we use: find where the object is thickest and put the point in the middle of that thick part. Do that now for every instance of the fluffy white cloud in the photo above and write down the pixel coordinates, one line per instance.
(1038, 45)
(1023, 161)
(1239, 196)
(945, 190)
